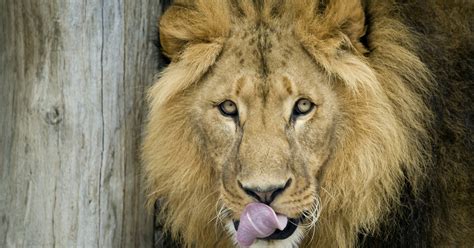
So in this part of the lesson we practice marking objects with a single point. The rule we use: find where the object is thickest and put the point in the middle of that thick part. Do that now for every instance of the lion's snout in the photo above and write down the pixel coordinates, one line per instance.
(264, 193)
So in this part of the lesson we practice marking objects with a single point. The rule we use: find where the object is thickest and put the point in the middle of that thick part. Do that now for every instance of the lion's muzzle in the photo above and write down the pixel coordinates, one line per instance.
(265, 194)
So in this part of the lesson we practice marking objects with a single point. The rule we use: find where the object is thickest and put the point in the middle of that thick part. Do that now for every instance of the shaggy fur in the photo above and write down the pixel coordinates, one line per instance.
(398, 167)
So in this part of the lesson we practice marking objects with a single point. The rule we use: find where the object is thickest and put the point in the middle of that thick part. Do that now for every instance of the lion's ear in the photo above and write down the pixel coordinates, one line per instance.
(192, 22)
(334, 38)
(174, 33)
(347, 16)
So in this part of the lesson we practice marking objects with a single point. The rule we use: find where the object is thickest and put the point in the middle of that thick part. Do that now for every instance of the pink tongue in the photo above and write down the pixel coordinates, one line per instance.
(258, 221)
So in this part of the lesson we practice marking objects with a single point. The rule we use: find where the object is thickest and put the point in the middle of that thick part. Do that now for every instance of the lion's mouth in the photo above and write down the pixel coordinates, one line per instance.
(278, 234)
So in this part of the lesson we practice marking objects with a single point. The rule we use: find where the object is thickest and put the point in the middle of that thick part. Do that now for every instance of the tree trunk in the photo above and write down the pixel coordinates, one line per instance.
(72, 81)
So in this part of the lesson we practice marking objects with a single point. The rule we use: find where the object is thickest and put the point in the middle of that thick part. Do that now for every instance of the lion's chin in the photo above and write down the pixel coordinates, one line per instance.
(292, 241)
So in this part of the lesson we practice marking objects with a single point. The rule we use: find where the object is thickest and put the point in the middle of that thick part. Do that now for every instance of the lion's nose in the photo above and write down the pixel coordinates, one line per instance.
(265, 194)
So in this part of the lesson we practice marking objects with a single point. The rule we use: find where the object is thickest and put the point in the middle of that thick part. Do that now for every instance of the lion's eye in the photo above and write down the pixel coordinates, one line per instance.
(228, 108)
(302, 107)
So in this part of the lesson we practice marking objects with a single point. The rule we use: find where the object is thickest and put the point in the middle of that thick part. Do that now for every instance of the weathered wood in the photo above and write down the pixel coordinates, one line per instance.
(72, 81)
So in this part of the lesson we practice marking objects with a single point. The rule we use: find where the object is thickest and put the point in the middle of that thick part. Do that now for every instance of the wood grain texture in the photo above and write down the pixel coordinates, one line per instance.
(72, 81)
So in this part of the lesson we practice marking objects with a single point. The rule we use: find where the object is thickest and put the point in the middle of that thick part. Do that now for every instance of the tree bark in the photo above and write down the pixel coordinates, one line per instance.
(72, 80)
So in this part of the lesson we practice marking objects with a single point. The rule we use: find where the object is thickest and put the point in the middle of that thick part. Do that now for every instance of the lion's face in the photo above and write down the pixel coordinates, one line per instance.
(270, 101)
(268, 120)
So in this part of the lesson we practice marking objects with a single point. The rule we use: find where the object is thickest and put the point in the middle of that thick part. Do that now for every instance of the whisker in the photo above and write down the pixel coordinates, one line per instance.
(292, 222)
(313, 213)
(329, 194)
(221, 213)
(205, 198)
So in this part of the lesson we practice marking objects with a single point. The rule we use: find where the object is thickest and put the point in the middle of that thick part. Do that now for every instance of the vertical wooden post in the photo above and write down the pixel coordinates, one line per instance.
(72, 81)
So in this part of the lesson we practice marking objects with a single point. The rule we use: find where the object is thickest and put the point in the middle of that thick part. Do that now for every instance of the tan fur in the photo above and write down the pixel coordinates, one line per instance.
(372, 122)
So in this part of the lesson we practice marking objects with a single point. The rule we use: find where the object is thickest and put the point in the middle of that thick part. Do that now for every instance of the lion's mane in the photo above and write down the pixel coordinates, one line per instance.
(388, 158)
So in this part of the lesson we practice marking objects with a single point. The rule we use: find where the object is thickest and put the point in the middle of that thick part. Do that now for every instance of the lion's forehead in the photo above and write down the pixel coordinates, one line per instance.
(258, 64)
(262, 47)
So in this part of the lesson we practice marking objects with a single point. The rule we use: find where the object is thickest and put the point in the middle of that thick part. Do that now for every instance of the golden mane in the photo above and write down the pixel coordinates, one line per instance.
(385, 95)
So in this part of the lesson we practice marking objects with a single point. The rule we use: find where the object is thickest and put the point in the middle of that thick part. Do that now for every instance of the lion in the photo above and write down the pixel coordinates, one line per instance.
(351, 118)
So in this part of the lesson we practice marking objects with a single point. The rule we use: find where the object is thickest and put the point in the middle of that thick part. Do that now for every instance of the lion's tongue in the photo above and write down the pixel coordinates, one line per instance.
(258, 221)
